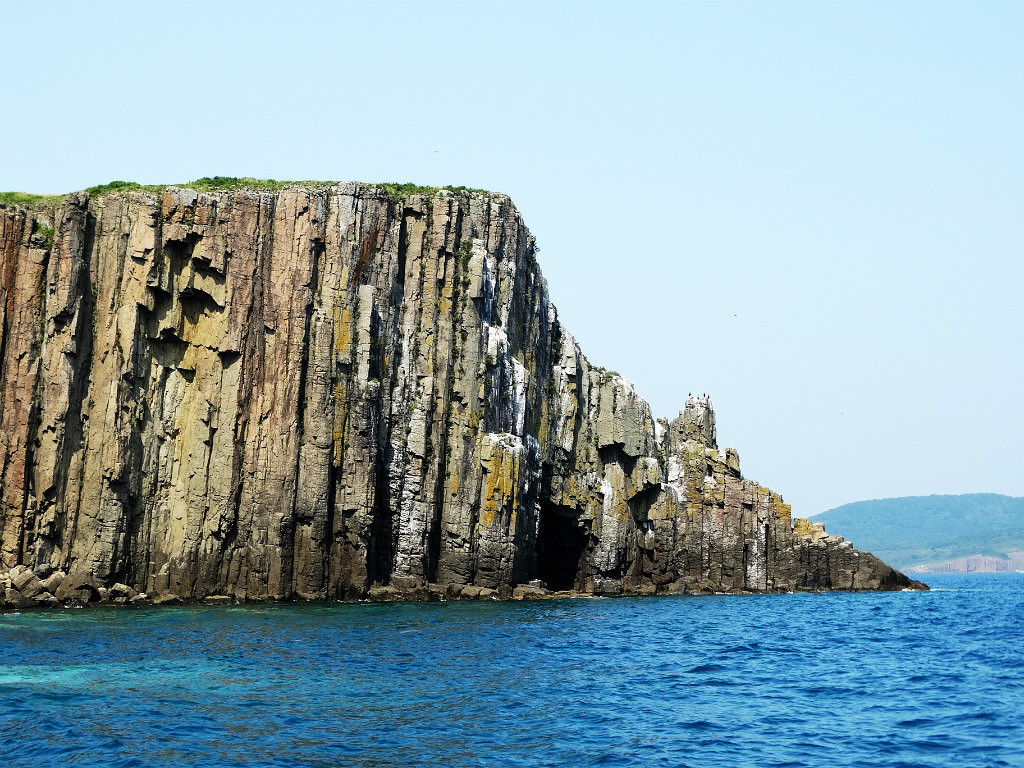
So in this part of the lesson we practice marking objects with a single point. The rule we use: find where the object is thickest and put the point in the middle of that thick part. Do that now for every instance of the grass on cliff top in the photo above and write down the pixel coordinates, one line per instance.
(227, 184)
(27, 198)
(121, 186)
(396, 190)
(393, 189)
(205, 184)
(231, 183)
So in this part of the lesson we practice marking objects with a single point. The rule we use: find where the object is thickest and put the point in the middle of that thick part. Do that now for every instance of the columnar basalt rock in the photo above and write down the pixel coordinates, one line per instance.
(331, 391)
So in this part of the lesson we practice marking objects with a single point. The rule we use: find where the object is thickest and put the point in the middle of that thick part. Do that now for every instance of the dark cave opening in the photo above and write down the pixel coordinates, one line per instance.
(561, 543)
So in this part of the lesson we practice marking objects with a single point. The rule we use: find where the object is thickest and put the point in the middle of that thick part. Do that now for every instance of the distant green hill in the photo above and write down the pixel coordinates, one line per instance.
(917, 530)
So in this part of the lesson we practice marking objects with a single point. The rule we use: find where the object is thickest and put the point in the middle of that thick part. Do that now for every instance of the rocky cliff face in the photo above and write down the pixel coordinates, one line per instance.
(322, 393)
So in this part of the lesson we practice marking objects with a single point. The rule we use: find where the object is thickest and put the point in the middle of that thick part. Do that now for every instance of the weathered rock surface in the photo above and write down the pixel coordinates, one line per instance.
(324, 393)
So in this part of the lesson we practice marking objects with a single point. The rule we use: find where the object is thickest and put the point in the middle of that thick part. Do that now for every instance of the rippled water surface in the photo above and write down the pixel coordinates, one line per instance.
(898, 679)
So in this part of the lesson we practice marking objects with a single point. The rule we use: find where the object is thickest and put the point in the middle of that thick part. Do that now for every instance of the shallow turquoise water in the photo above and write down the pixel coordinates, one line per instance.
(895, 679)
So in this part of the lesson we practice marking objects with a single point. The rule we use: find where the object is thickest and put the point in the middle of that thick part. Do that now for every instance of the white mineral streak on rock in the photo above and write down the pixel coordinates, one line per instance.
(676, 471)
(612, 511)
(481, 270)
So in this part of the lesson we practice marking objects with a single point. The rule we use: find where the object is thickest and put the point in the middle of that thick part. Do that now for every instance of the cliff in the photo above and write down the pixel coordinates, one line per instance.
(330, 391)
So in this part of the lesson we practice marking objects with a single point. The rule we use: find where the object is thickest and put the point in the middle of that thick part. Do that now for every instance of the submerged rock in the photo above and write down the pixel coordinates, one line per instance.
(334, 392)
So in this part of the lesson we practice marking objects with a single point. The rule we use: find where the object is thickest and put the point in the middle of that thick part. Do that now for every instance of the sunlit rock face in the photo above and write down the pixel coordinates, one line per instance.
(320, 392)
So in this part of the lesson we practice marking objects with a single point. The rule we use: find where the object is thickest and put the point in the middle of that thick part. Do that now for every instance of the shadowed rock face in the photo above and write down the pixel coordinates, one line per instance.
(313, 393)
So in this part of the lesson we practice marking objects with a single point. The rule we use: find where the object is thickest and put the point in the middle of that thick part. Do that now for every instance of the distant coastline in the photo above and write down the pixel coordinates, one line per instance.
(1012, 563)
(962, 534)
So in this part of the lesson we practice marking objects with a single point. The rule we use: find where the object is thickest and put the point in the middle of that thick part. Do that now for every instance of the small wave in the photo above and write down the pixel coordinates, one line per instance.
(978, 716)
(742, 648)
(916, 722)
(827, 690)
(704, 725)
(931, 745)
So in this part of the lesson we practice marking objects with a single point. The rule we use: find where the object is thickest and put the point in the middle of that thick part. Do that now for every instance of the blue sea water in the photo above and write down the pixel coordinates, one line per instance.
(880, 680)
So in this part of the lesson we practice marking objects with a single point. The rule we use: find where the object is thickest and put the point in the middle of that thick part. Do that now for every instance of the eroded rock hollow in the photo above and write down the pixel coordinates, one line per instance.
(328, 392)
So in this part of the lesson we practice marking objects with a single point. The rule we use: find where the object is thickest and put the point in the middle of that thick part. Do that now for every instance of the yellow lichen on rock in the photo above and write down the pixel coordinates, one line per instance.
(500, 459)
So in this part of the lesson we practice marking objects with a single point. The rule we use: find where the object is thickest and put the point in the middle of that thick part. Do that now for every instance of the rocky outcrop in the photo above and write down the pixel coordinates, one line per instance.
(329, 392)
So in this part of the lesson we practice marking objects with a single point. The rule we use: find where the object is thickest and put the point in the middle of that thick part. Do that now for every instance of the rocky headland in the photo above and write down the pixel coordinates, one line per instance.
(342, 391)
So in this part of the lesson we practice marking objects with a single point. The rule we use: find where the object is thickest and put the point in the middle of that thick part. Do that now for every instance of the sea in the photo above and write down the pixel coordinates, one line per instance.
(880, 680)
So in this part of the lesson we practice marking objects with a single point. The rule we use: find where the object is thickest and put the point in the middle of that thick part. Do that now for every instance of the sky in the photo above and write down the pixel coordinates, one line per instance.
(812, 212)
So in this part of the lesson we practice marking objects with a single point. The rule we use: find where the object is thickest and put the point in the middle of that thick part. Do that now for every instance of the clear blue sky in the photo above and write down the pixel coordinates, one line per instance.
(813, 212)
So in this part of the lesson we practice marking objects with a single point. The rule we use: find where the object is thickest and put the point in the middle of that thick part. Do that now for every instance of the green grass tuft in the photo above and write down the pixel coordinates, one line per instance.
(45, 231)
(396, 190)
(26, 198)
(228, 183)
(113, 186)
